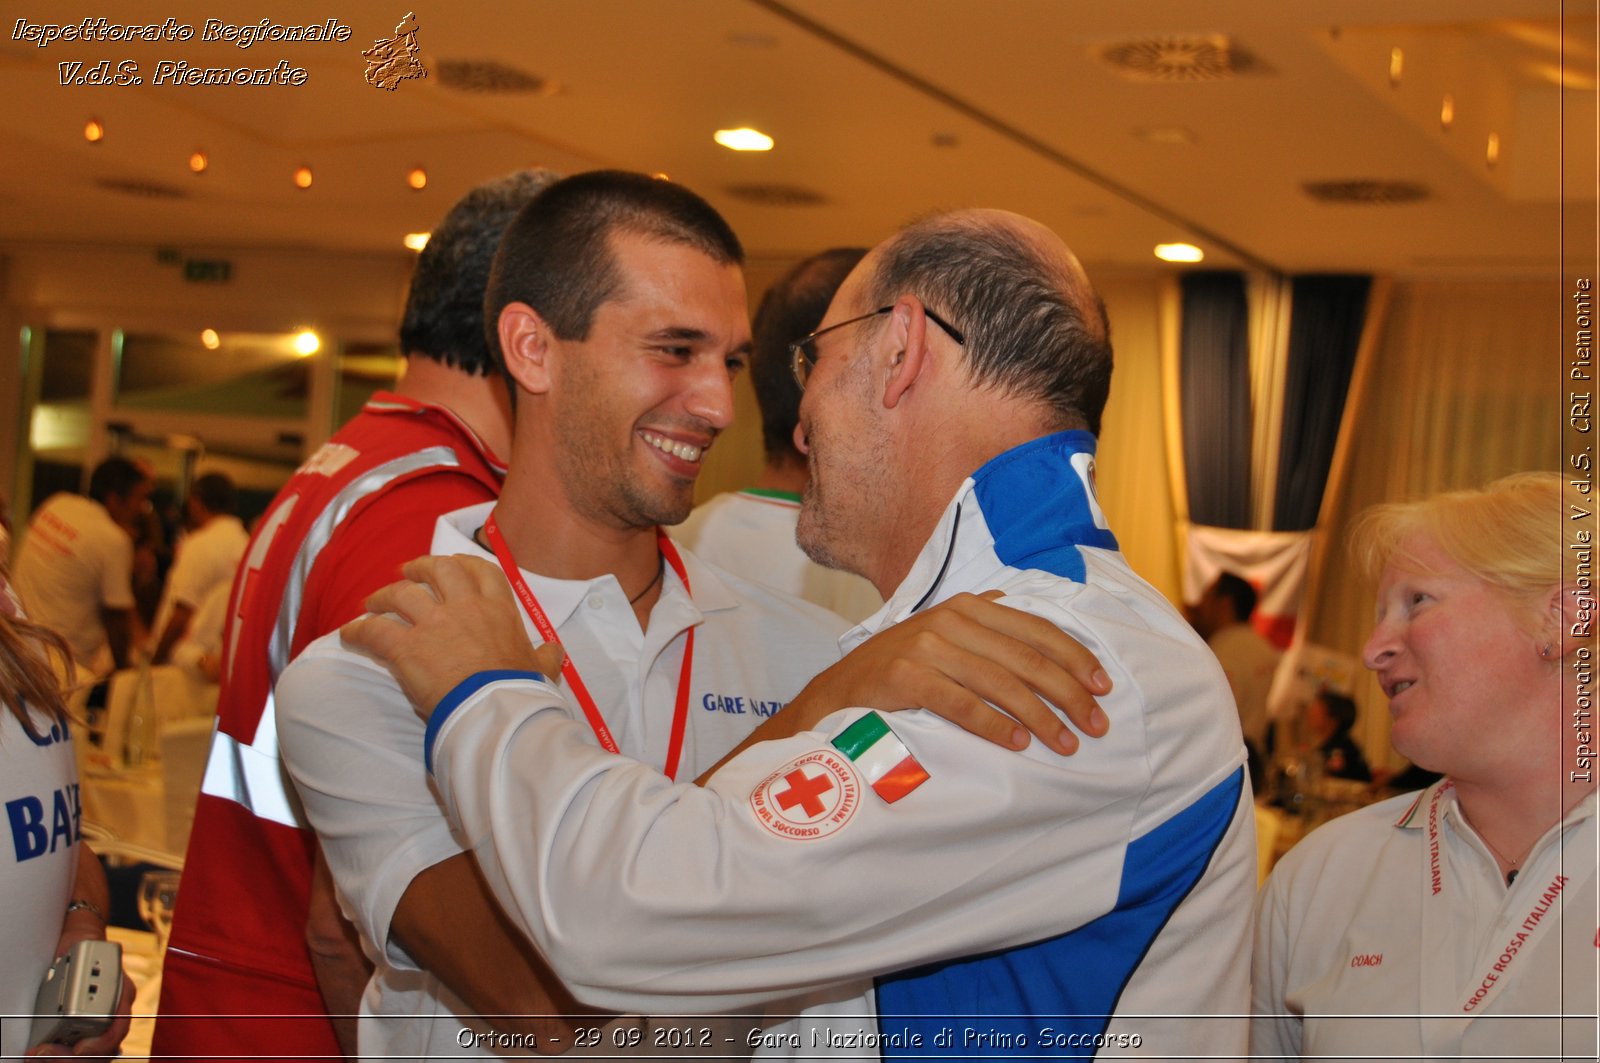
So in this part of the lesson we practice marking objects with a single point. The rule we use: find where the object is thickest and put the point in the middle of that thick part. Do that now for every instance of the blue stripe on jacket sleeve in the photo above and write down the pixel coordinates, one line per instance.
(462, 691)
(1071, 983)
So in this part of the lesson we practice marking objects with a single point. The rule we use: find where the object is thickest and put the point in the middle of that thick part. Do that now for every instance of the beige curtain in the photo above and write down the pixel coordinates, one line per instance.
(1465, 386)
(1133, 466)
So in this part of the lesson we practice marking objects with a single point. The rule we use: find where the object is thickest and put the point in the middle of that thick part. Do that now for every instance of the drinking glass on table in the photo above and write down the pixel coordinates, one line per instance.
(158, 894)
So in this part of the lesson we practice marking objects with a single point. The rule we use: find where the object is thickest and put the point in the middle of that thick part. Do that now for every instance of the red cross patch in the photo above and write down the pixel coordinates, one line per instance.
(808, 798)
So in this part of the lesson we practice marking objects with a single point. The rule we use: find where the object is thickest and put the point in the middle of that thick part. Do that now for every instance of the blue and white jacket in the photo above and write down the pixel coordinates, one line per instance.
(1006, 904)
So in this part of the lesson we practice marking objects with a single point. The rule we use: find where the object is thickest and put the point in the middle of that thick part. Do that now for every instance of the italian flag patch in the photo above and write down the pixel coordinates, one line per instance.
(881, 758)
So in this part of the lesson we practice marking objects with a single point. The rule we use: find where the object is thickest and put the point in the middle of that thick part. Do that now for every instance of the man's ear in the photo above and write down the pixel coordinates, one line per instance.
(907, 337)
(525, 340)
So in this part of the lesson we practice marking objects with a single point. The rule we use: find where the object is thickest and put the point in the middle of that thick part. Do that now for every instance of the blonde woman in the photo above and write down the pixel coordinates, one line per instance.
(1459, 921)
(54, 887)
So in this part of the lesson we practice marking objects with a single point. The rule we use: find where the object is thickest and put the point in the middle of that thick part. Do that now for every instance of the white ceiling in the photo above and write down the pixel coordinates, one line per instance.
(883, 108)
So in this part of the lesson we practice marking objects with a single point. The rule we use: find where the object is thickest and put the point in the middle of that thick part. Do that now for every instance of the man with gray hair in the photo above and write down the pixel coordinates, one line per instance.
(260, 955)
(982, 901)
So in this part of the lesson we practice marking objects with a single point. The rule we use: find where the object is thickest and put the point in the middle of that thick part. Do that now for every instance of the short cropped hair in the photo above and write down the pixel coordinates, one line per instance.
(557, 257)
(114, 476)
(1238, 591)
(215, 491)
(1508, 534)
(1027, 333)
(790, 309)
(444, 309)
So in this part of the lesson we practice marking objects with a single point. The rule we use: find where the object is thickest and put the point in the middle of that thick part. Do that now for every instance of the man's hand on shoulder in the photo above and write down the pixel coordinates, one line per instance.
(995, 671)
(449, 619)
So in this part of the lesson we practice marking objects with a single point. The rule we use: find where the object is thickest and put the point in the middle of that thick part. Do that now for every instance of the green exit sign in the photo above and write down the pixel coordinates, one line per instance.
(207, 270)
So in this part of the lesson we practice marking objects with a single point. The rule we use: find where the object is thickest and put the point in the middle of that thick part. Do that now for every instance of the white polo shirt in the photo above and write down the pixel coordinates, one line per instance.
(1390, 932)
(75, 560)
(353, 744)
(207, 558)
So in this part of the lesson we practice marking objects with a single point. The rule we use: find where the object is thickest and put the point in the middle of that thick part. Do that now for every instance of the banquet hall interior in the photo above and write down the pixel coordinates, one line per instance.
(1346, 248)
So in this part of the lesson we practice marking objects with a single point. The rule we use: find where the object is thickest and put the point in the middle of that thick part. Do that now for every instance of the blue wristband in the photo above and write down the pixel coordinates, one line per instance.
(462, 691)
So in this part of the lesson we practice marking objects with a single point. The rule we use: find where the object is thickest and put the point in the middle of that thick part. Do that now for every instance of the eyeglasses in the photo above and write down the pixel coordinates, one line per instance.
(803, 351)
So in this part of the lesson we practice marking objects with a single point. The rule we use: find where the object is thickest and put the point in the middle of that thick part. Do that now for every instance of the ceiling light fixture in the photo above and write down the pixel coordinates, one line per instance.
(1397, 66)
(417, 178)
(417, 241)
(1491, 153)
(743, 139)
(1179, 253)
(209, 339)
(302, 177)
(198, 162)
(306, 343)
(93, 131)
(1170, 134)
(1447, 112)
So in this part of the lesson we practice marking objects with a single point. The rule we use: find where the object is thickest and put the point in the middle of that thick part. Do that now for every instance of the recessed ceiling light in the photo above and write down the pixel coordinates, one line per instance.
(1491, 154)
(1170, 134)
(198, 162)
(1447, 112)
(417, 178)
(306, 343)
(417, 241)
(210, 340)
(1179, 253)
(93, 131)
(1397, 67)
(743, 139)
(302, 177)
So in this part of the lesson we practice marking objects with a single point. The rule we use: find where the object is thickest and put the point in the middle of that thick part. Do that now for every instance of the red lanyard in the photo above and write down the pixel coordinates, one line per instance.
(680, 715)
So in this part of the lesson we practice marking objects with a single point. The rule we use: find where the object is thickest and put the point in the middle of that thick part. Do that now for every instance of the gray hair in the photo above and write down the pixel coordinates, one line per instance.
(1034, 328)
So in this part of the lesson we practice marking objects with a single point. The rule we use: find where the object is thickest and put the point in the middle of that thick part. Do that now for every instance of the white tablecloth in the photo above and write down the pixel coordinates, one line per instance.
(139, 959)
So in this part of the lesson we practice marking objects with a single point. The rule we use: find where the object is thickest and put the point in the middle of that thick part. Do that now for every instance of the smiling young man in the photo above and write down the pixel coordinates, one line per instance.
(619, 314)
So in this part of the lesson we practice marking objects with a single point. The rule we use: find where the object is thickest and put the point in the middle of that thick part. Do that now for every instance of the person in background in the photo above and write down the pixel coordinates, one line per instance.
(206, 558)
(260, 953)
(75, 566)
(899, 870)
(1329, 719)
(199, 652)
(54, 886)
(1459, 921)
(1223, 619)
(751, 533)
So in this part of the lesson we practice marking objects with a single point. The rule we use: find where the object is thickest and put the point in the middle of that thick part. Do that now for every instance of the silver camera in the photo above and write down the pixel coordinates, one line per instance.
(78, 997)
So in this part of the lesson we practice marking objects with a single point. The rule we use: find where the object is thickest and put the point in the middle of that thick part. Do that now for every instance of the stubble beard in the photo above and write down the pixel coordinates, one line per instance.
(834, 529)
(606, 486)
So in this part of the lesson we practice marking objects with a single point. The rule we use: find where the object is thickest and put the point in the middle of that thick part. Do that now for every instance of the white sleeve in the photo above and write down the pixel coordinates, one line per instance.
(1275, 1033)
(116, 572)
(650, 896)
(351, 742)
(188, 580)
